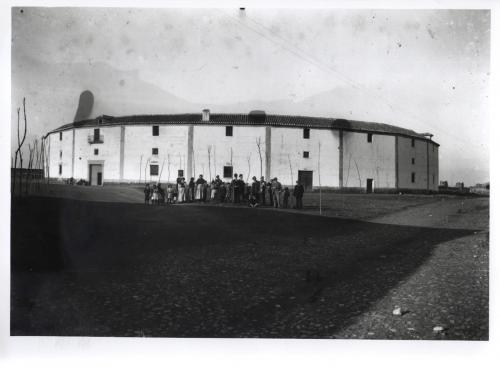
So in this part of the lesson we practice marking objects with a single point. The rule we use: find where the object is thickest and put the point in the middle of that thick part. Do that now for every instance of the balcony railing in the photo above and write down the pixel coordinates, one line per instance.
(92, 139)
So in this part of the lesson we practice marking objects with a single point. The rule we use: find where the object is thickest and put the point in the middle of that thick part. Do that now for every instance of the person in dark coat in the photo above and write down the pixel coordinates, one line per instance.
(235, 187)
(241, 187)
(270, 193)
(262, 190)
(298, 193)
(191, 189)
(222, 192)
(161, 195)
(200, 188)
(286, 196)
(254, 192)
(147, 194)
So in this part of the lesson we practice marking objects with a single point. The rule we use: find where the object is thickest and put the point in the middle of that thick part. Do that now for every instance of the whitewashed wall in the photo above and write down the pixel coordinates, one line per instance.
(56, 147)
(172, 148)
(433, 167)
(288, 145)
(364, 160)
(108, 153)
(375, 160)
(405, 167)
(243, 145)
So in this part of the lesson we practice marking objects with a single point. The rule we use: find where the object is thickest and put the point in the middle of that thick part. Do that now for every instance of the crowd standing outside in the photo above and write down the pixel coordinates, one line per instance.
(237, 191)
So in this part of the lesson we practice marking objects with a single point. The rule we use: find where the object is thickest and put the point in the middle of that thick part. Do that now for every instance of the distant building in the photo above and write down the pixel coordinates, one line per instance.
(336, 153)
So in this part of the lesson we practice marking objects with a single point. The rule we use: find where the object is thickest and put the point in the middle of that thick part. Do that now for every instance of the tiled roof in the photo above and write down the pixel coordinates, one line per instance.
(248, 119)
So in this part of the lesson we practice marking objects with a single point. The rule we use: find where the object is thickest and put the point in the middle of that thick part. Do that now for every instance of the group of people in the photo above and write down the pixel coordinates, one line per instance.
(258, 192)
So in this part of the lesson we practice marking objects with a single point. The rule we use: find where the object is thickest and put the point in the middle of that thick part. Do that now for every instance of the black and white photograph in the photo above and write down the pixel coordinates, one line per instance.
(248, 172)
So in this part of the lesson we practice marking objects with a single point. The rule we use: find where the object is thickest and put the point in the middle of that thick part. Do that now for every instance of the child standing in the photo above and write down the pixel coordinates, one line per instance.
(147, 193)
(169, 194)
(154, 197)
(286, 195)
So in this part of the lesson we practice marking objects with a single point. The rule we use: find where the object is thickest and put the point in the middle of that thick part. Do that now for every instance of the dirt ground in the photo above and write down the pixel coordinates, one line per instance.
(115, 267)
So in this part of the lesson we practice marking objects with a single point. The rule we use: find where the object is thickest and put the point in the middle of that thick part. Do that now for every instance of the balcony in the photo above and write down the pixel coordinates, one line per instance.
(93, 139)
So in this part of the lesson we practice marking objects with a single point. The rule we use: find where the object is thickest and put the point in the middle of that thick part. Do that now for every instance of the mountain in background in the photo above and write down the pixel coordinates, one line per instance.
(117, 92)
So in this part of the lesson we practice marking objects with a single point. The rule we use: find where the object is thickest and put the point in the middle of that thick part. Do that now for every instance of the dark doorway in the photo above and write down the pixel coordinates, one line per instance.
(95, 174)
(306, 179)
(369, 185)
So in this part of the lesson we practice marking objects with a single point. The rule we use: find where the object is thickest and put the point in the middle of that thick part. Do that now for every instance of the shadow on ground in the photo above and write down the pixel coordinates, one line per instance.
(115, 269)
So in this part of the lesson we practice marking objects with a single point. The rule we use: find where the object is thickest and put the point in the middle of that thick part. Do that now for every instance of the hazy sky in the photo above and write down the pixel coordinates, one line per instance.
(427, 70)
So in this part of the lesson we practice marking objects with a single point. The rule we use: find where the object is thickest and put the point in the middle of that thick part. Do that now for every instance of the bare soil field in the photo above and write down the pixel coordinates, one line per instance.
(106, 265)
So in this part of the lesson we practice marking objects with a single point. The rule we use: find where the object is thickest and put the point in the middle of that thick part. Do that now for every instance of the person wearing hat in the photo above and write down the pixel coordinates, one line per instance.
(298, 192)
(200, 182)
(276, 189)
(262, 190)
(235, 189)
(254, 192)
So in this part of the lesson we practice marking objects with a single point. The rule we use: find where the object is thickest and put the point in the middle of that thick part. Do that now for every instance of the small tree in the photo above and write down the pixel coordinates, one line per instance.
(209, 148)
(291, 170)
(161, 171)
(18, 153)
(259, 143)
(140, 171)
(168, 167)
(249, 158)
(319, 176)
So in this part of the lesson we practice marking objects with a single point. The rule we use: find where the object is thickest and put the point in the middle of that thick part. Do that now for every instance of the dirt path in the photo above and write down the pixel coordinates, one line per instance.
(448, 291)
(464, 213)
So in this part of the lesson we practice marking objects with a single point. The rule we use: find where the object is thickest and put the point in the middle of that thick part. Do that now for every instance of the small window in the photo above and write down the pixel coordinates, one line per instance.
(60, 154)
(180, 173)
(369, 138)
(229, 131)
(96, 135)
(228, 171)
(96, 151)
(413, 161)
(413, 143)
(307, 133)
(60, 135)
(413, 177)
(153, 170)
(305, 154)
(60, 169)
(155, 151)
(156, 130)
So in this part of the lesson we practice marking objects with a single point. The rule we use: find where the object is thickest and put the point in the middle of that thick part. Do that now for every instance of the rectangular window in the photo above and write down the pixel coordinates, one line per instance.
(60, 154)
(413, 143)
(96, 135)
(228, 171)
(305, 154)
(153, 170)
(96, 151)
(229, 131)
(413, 177)
(413, 161)
(60, 135)
(155, 151)
(156, 130)
(307, 133)
(180, 173)
(60, 169)
(369, 137)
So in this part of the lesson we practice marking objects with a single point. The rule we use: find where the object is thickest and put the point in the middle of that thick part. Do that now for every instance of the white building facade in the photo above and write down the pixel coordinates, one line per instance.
(331, 153)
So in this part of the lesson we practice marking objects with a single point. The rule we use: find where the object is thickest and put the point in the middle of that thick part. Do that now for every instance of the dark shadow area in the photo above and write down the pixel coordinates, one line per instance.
(116, 269)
